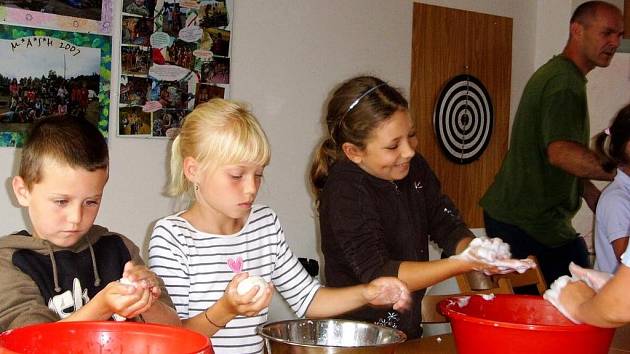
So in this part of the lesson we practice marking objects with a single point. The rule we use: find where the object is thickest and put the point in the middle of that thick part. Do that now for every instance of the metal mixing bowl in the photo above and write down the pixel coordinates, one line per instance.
(305, 336)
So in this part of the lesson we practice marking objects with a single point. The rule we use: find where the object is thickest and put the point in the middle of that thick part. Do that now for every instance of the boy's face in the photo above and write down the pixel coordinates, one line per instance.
(63, 205)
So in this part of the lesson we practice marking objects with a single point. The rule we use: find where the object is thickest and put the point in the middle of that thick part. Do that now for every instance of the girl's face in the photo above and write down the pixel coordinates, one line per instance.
(229, 191)
(389, 148)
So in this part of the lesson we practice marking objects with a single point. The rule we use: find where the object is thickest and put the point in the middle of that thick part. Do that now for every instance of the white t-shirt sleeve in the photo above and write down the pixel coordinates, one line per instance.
(167, 258)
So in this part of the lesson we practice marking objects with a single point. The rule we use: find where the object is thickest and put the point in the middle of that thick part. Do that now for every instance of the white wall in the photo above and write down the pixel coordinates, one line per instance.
(286, 57)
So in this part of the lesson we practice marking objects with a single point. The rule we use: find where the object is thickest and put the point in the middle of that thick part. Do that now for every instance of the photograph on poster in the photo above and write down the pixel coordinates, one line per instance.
(135, 91)
(213, 14)
(216, 71)
(166, 119)
(180, 54)
(136, 30)
(89, 9)
(142, 8)
(220, 40)
(135, 60)
(133, 121)
(172, 94)
(207, 92)
(182, 50)
(51, 73)
(173, 18)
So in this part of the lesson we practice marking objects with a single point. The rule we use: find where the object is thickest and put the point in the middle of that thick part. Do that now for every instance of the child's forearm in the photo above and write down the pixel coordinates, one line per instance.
(161, 313)
(610, 307)
(421, 275)
(94, 310)
(209, 322)
(335, 301)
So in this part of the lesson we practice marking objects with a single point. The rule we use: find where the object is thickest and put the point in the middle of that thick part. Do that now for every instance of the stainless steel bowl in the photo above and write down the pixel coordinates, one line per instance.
(304, 336)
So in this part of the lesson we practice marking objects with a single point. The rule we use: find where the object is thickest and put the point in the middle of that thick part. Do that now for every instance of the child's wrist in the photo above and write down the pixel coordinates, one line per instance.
(99, 307)
(219, 314)
(222, 311)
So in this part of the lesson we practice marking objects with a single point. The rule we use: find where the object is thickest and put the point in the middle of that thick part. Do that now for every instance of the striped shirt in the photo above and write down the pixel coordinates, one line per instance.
(196, 268)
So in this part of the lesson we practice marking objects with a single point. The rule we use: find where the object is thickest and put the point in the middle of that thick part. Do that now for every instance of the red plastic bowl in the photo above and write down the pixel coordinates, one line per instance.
(519, 324)
(103, 337)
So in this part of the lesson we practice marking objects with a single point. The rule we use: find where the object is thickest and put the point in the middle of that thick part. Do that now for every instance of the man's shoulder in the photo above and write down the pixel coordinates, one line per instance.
(561, 71)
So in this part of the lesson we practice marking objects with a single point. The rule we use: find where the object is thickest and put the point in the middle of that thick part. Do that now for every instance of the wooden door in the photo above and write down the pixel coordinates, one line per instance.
(446, 43)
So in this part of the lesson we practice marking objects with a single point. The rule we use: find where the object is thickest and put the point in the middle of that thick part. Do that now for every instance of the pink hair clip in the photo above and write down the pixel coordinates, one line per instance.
(607, 131)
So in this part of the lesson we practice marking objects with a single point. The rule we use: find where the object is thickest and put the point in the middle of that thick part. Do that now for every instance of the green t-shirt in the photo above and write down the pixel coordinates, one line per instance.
(528, 191)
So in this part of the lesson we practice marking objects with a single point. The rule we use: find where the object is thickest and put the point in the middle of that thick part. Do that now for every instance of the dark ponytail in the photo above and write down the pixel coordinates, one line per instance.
(611, 144)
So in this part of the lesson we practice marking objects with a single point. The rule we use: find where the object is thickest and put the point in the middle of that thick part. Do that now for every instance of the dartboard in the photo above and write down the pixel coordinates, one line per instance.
(463, 119)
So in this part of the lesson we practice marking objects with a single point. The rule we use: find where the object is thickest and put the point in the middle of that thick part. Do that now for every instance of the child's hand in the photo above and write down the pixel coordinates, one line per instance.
(567, 294)
(595, 279)
(492, 256)
(142, 277)
(388, 291)
(125, 300)
(243, 304)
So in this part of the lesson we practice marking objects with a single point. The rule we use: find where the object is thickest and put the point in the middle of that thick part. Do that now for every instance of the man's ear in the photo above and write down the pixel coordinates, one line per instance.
(576, 29)
(353, 153)
(191, 169)
(21, 191)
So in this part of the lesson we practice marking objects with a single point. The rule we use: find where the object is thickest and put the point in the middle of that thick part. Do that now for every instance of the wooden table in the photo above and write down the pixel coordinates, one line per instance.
(442, 344)
(445, 344)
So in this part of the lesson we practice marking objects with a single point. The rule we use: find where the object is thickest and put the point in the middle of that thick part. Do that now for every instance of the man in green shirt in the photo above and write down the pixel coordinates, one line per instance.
(548, 166)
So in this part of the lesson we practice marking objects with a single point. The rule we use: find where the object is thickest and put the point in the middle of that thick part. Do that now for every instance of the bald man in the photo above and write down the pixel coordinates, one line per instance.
(548, 167)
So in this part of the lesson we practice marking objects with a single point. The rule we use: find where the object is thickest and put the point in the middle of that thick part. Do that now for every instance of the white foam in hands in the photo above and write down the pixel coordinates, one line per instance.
(124, 281)
(494, 251)
(553, 295)
(595, 279)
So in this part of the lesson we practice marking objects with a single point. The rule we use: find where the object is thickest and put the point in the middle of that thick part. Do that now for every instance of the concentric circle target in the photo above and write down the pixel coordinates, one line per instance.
(463, 119)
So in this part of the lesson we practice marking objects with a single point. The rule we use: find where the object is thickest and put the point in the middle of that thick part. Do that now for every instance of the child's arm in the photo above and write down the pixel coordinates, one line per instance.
(608, 308)
(125, 300)
(21, 302)
(140, 297)
(421, 275)
(228, 307)
(383, 291)
(619, 246)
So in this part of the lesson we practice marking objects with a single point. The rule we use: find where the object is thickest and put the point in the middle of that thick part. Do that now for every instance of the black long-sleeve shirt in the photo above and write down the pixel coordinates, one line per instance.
(370, 225)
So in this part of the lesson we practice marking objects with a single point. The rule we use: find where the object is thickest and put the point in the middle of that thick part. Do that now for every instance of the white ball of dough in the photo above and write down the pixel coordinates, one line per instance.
(128, 282)
(247, 284)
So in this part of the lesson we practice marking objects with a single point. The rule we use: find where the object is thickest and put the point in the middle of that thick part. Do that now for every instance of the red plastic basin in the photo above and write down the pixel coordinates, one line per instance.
(103, 337)
(519, 324)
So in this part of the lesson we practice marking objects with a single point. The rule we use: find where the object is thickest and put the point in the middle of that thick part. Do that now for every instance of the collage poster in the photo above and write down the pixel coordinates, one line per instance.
(174, 55)
(48, 73)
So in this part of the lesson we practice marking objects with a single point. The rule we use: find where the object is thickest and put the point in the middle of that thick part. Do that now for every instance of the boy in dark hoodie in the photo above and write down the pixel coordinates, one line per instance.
(66, 268)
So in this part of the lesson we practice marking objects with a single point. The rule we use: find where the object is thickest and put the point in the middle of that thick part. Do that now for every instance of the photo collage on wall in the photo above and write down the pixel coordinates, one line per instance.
(175, 55)
(56, 62)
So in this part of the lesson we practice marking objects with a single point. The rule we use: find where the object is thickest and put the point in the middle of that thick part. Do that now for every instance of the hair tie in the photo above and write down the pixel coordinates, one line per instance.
(607, 131)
